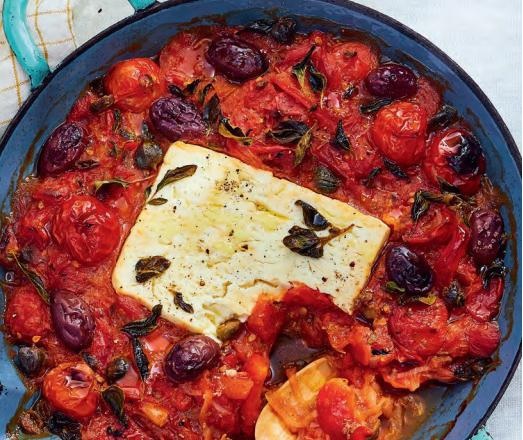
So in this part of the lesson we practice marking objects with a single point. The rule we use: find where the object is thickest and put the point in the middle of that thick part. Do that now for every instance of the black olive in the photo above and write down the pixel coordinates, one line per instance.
(467, 156)
(392, 81)
(148, 155)
(30, 360)
(409, 270)
(486, 235)
(116, 369)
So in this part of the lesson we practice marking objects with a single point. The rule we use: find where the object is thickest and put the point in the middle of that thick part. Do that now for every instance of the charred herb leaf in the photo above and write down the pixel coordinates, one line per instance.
(392, 287)
(325, 180)
(226, 330)
(369, 180)
(116, 369)
(178, 173)
(150, 267)
(90, 360)
(447, 187)
(453, 295)
(445, 117)
(33, 278)
(227, 130)
(175, 90)
(117, 120)
(179, 301)
(303, 145)
(103, 185)
(420, 206)
(289, 132)
(496, 269)
(144, 326)
(102, 104)
(317, 80)
(97, 86)
(140, 358)
(211, 110)
(64, 426)
(260, 26)
(340, 139)
(311, 217)
(157, 201)
(191, 87)
(299, 70)
(203, 93)
(88, 164)
(350, 91)
(114, 397)
(472, 369)
(395, 169)
(374, 106)
(305, 241)
(379, 352)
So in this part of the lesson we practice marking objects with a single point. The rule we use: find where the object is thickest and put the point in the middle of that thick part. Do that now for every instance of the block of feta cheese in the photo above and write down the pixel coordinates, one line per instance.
(218, 233)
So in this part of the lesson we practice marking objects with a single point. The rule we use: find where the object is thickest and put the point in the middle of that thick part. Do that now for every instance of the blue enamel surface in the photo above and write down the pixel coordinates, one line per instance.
(141, 4)
(27, 53)
(148, 31)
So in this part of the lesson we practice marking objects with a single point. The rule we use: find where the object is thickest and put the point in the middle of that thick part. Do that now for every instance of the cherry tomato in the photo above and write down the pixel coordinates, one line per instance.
(71, 388)
(135, 84)
(483, 304)
(26, 315)
(266, 319)
(399, 132)
(435, 227)
(419, 329)
(87, 228)
(454, 156)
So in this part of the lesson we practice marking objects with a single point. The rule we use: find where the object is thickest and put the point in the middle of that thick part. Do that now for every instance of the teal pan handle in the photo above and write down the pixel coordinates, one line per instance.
(29, 56)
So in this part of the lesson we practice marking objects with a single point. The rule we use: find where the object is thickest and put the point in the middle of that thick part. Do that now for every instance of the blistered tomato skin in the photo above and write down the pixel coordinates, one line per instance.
(392, 81)
(71, 388)
(190, 356)
(486, 235)
(236, 59)
(72, 319)
(174, 118)
(456, 157)
(409, 270)
(61, 150)
(87, 229)
(135, 84)
(399, 132)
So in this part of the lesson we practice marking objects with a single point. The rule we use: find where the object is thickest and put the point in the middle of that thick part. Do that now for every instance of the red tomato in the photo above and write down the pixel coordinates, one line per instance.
(71, 387)
(257, 367)
(26, 315)
(87, 228)
(436, 166)
(399, 132)
(483, 304)
(418, 329)
(266, 319)
(483, 338)
(336, 405)
(135, 84)
(435, 227)
(449, 257)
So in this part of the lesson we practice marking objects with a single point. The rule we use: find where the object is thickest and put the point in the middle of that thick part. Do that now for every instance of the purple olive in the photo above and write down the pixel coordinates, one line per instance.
(190, 356)
(61, 150)
(175, 118)
(466, 160)
(409, 270)
(72, 320)
(486, 236)
(392, 81)
(30, 360)
(236, 59)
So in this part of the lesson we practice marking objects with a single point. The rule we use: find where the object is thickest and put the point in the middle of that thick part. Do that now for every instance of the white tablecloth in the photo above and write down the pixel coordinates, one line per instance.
(483, 36)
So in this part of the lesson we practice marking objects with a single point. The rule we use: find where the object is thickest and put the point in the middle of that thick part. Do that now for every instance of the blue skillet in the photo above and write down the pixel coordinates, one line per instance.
(456, 411)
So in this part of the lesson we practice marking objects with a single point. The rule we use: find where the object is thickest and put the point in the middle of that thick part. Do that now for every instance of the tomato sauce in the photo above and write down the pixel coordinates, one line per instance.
(396, 155)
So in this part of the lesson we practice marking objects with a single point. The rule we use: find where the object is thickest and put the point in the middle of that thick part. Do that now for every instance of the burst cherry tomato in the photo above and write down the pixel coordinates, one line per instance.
(135, 84)
(87, 229)
(399, 132)
(455, 156)
(71, 388)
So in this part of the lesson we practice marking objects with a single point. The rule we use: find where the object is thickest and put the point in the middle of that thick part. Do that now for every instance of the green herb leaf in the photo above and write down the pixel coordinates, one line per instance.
(228, 131)
(144, 326)
(427, 300)
(157, 201)
(340, 139)
(311, 217)
(325, 180)
(420, 206)
(395, 169)
(211, 110)
(305, 241)
(369, 180)
(226, 330)
(392, 287)
(496, 269)
(140, 358)
(178, 173)
(317, 80)
(179, 301)
(115, 398)
(102, 104)
(288, 132)
(102, 185)
(453, 295)
(350, 91)
(374, 106)
(299, 70)
(303, 145)
(151, 267)
(33, 278)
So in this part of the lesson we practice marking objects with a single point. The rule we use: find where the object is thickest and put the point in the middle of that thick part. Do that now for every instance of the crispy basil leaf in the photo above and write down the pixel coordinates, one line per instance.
(90, 360)
(117, 120)
(179, 301)
(304, 242)
(157, 201)
(227, 130)
(472, 369)
(311, 217)
(64, 426)
(325, 180)
(392, 287)
(143, 326)
(369, 180)
(127, 135)
(191, 87)
(103, 185)
(178, 173)
(150, 267)
(453, 295)
(33, 278)
(102, 104)
(260, 26)
(116, 369)
(395, 169)
(203, 93)
(445, 117)
(97, 86)
(299, 70)
(496, 269)
(350, 91)
(211, 110)
(289, 132)
(302, 147)
(115, 398)
(420, 206)
(340, 139)
(379, 351)
(447, 187)
(140, 358)
(88, 164)
(374, 106)
(226, 330)
(317, 80)
(175, 90)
